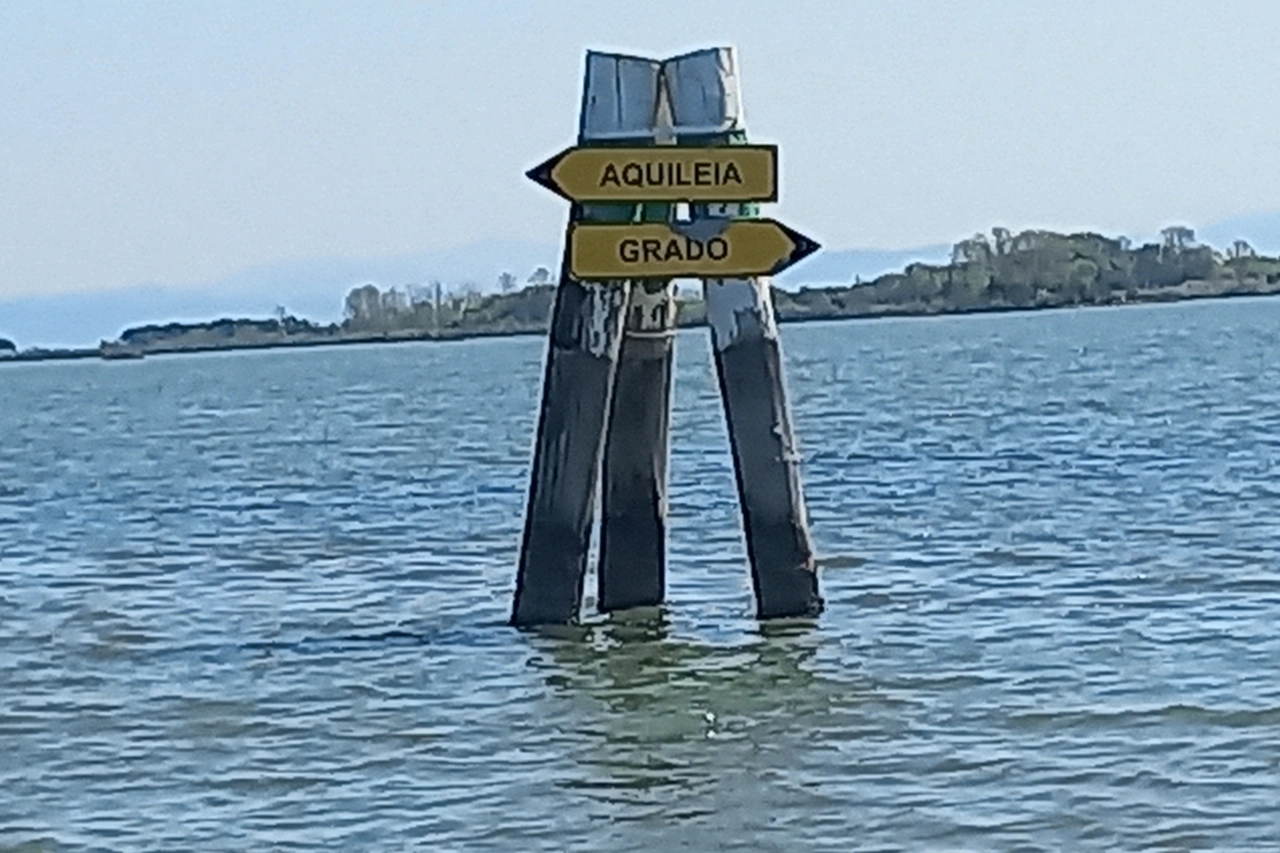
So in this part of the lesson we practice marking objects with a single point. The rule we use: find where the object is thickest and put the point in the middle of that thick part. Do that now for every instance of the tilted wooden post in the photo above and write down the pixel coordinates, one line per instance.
(633, 506)
(706, 106)
(618, 105)
(633, 524)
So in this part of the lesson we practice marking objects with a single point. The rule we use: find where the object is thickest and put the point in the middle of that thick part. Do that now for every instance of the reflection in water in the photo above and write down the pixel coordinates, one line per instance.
(677, 728)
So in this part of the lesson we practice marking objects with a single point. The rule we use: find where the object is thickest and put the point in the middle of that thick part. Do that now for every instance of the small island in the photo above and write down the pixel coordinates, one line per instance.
(1004, 272)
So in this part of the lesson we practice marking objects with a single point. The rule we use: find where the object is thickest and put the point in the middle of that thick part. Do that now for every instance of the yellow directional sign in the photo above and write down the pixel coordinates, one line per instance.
(663, 173)
(741, 248)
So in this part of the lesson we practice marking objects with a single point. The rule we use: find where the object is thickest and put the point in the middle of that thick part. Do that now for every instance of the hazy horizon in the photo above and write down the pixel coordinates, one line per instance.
(315, 290)
(180, 147)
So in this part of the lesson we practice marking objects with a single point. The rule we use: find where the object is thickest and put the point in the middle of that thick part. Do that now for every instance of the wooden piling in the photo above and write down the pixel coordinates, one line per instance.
(705, 100)
(633, 506)
(618, 105)
(633, 528)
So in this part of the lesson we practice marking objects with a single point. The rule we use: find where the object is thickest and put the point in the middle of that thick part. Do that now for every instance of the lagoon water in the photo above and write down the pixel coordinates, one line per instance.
(257, 600)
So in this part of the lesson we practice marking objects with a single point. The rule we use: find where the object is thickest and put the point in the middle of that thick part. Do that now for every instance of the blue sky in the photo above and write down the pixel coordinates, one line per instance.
(186, 144)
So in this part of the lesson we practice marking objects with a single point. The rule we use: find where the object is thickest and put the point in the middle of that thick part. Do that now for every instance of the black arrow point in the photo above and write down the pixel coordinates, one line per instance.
(804, 247)
(541, 174)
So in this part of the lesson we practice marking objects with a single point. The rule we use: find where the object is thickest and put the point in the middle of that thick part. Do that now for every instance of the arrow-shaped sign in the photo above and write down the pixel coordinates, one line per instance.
(663, 173)
(745, 247)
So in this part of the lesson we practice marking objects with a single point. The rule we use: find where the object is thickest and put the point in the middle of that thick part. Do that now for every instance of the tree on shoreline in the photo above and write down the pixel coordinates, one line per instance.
(1030, 269)
(1033, 268)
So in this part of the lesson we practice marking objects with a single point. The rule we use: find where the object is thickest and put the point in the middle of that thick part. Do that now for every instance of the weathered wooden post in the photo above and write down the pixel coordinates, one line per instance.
(633, 505)
(706, 106)
(609, 360)
(619, 98)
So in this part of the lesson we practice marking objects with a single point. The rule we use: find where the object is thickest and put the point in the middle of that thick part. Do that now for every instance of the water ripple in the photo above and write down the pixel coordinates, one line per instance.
(258, 600)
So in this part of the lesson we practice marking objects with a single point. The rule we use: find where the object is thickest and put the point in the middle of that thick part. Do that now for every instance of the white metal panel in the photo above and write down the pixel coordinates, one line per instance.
(705, 92)
(619, 97)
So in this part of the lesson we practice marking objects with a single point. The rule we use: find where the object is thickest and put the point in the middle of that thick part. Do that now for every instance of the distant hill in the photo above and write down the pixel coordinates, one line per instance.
(313, 289)
(843, 266)
(316, 289)
(1006, 271)
(1261, 230)
(1044, 269)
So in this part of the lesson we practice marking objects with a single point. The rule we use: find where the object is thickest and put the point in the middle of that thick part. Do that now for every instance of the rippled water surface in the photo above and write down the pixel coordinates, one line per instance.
(257, 601)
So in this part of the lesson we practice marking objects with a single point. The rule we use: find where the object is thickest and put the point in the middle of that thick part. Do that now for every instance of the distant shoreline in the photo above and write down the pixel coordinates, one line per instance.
(1032, 270)
(107, 353)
